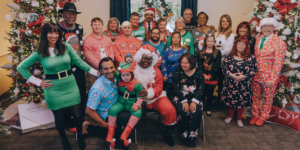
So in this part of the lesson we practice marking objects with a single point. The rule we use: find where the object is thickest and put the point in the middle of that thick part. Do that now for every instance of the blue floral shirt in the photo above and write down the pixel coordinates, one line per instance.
(102, 96)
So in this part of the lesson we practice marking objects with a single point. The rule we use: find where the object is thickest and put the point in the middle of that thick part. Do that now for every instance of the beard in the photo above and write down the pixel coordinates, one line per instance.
(144, 75)
(154, 39)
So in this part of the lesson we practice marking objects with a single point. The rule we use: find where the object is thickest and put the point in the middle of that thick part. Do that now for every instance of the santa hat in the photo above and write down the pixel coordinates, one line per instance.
(146, 50)
(125, 67)
(150, 10)
(268, 20)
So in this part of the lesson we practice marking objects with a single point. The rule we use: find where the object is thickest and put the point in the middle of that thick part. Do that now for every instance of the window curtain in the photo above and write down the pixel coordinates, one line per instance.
(120, 9)
(192, 4)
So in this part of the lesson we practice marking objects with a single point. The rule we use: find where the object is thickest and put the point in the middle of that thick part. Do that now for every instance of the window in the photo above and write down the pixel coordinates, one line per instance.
(175, 5)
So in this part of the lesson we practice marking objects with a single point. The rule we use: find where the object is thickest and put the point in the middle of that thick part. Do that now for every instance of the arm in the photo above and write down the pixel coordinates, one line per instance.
(91, 55)
(24, 66)
(76, 60)
(177, 86)
(229, 44)
(94, 115)
(164, 65)
(192, 49)
(138, 87)
(117, 54)
(225, 70)
(199, 89)
(278, 61)
(168, 41)
(252, 68)
(216, 69)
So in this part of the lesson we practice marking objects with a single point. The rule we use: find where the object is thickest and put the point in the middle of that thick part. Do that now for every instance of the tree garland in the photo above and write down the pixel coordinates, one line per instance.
(161, 5)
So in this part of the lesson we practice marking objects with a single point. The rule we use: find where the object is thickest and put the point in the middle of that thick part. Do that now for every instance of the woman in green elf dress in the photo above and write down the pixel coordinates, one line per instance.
(60, 88)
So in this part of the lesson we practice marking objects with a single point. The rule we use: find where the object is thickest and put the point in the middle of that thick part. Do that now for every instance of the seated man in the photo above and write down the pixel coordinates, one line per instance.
(152, 80)
(102, 95)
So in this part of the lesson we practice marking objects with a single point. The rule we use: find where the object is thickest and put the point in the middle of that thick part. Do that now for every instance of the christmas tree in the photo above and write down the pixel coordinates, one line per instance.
(286, 12)
(27, 19)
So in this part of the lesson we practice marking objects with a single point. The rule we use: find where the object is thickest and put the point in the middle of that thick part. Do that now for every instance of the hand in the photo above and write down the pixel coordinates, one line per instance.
(99, 74)
(193, 106)
(206, 78)
(143, 93)
(165, 79)
(135, 108)
(46, 84)
(185, 107)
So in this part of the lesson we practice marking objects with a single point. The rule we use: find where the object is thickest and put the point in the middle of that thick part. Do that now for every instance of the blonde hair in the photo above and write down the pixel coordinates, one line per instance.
(228, 30)
(114, 19)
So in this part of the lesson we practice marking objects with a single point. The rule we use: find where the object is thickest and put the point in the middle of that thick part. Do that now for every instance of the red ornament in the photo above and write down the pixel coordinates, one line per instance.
(14, 48)
(26, 94)
(260, 6)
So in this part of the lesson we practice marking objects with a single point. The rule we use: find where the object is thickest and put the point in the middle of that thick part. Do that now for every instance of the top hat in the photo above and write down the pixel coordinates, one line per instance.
(69, 7)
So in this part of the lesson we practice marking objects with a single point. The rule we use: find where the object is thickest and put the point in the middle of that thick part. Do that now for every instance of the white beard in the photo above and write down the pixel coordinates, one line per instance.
(145, 76)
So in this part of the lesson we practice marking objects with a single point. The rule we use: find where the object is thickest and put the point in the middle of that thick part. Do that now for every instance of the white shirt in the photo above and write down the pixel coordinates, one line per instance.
(226, 44)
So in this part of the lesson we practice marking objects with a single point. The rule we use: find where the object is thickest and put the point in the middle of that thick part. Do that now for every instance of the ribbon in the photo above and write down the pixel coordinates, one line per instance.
(40, 21)
(284, 6)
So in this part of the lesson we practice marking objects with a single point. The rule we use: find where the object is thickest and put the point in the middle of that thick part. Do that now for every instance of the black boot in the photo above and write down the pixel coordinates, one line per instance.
(191, 142)
(168, 136)
(80, 141)
(66, 144)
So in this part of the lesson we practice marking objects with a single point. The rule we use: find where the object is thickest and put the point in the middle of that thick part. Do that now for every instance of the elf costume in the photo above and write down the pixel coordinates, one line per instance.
(128, 97)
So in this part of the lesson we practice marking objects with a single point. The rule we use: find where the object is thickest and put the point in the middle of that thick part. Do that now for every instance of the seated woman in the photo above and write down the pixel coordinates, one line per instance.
(238, 68)
(186, 36)
(245, 29)
(169, 61)
(113, 29)
(188, 83)
(200, 32)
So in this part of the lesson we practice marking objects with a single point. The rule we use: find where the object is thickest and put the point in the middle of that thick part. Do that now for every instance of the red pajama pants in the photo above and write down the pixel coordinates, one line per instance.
(164, 106)
(268, 93)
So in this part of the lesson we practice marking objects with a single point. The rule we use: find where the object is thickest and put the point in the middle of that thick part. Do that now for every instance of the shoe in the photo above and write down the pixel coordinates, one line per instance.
(252, 121)
(66, 145)
(168, 136)
(74, 130)
(240, 123)
(227, 120)
(260, 122)
(110, 136)
(191, 142)
(84, 127)
(125, 135)
(208, 113)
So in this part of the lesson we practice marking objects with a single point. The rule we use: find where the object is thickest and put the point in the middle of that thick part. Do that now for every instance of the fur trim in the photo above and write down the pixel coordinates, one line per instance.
(139, 54)
(150, 94)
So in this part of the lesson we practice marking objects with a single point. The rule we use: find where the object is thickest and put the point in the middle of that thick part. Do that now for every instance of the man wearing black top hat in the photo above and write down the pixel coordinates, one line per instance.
(73, 33)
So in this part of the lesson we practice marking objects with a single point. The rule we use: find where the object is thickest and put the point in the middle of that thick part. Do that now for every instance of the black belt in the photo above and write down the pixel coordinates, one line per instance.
(59, 75)
(126, 95)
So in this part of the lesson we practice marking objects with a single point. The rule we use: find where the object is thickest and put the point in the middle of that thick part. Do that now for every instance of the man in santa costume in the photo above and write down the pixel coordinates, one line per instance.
(149, 23)
(269, 52)
(152, 80)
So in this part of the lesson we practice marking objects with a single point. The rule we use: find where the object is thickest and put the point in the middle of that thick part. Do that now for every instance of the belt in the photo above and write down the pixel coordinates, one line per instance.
(126, 95)
(59, 75)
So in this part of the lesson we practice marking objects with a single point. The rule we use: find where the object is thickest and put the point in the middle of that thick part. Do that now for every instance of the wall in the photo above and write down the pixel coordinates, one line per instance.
(91, 9)
(4, 26)
(239, 10)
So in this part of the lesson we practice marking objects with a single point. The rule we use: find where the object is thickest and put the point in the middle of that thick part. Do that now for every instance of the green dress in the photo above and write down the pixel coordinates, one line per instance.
(186, 39)
(64, 92)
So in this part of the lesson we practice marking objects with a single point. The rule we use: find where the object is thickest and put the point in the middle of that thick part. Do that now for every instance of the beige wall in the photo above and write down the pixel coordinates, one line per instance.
(91, 9)
(4, 26)
(239, 10)
(5, 81)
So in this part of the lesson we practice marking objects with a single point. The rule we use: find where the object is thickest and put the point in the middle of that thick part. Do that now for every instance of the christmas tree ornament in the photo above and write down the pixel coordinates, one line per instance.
(13, 6)
(50, 2)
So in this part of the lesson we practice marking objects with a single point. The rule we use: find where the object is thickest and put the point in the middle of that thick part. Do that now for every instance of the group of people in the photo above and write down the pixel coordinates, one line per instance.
(177, 74)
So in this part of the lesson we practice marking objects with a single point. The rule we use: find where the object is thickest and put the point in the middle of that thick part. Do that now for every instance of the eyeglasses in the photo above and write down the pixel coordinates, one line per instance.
(147, 58)
(267, 26)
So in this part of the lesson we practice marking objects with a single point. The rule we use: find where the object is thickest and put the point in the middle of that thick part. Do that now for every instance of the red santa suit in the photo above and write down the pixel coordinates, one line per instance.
(152, 80)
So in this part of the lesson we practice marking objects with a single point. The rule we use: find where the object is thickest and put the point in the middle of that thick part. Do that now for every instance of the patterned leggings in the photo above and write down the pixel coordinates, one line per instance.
(268, 93)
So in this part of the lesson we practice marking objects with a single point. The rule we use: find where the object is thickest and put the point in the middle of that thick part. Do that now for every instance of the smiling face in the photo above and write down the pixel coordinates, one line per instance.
(188, 15)
(52, 38)
(113, 25)
(267, 30)
(127, 29)
(176, 39)
(97, 27)
(224, 23)
(162, 26)
(108, 70)
(69, 17)
(155, 35)
(210, 41)
(202, 20)
(179, 24)
(134, 21)
(185, 64)
(146, 61)
(240, 47)
(149, 17)
(243, 30)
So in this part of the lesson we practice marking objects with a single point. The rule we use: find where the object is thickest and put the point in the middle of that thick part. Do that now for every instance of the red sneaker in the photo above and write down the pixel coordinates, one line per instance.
(252, 121)
(260, 122)
(74, 130)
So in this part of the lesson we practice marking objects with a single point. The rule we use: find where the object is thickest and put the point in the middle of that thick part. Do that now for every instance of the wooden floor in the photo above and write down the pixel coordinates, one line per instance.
(219, 136)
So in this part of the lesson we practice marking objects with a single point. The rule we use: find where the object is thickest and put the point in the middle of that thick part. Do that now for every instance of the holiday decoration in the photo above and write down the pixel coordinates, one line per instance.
(161, 7)
(27, 19)
(286, 12)
(3, 128)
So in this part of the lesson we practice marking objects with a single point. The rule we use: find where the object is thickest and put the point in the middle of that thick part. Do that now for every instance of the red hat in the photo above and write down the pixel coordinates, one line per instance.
(149, 47)
(150, 10)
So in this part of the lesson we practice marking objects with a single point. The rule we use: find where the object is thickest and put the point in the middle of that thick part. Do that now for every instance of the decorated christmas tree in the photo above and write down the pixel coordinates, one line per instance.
(27, 18)
(286, 12)
(3, 128)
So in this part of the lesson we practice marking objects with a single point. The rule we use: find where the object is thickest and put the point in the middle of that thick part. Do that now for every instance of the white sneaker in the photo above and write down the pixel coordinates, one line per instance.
(240, 123)
(227, 120)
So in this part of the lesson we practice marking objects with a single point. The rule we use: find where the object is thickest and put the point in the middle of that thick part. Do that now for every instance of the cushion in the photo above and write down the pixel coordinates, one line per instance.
(285, 117)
